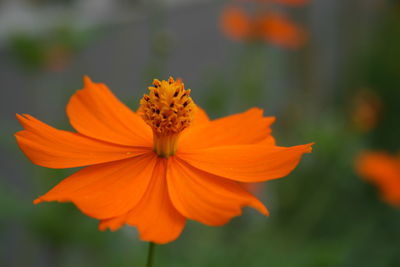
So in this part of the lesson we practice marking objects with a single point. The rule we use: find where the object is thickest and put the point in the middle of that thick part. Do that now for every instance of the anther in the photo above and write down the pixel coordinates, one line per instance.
(168, 110)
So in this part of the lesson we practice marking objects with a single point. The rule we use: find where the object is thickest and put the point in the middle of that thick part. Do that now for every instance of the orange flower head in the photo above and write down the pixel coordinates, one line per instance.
(265, 26)
(168, 109)
(382, 170)
(278, 29)
(366, 110)
(236, 24)
(155, 168)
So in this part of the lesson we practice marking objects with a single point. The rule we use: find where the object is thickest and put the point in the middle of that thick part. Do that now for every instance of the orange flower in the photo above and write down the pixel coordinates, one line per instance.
(266, 26)
(382, 170)
(159, 166)
(366, 111)
(236, 24)
(278, 29)
(58, 56)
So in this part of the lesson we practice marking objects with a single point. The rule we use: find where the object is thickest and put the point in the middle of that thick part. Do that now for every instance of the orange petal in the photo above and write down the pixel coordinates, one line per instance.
(244, 128)
(94, 111)
(270, 140)
(247, 163)
(52, 148)
(207, 198)
(383, 170)
(200, 116)
(155, 217)
(235, 23)
(106, 190)
(113, 223)
(280, 30)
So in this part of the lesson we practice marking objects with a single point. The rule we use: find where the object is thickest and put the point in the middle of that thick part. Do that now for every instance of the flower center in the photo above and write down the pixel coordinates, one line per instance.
(168, 110)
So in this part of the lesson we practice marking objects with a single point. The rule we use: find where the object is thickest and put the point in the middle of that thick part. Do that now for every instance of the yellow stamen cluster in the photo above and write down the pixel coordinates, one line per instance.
(168, 109)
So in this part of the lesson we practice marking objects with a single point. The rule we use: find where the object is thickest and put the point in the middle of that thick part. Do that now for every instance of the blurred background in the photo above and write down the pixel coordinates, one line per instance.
(329, 70)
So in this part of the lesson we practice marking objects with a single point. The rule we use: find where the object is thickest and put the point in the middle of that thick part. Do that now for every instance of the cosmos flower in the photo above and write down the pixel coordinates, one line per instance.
(367, 110)
(159, 166)
(267, 26)
(383, 170)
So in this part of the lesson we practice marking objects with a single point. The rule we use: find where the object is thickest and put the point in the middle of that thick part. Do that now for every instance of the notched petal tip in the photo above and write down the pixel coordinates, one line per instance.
(272, 119)
(22, 118)
(87, 81)
(258, 205)
(45, 198)
(27, 121)
(309, 148)
(102, 227)
(37, 201)
(109, 225)
(261, 110)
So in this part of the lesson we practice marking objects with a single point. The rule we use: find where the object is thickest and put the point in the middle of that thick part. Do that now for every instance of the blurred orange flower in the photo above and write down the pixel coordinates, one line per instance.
(265, 26)
(382, 170)
(236, 24)
(58, 56)
(280, 30)
(367, 110)
(159, 166)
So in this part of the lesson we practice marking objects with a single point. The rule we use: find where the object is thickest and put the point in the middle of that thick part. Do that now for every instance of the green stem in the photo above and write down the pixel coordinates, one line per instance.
(150, 255)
